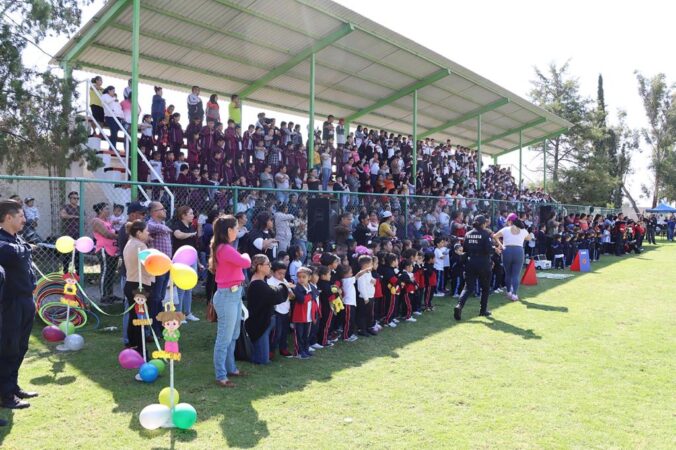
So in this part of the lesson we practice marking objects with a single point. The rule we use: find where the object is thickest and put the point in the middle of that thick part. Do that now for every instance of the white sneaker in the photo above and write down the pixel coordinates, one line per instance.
(438, 294)
(395, 320)
(411, 319)
(183, 322)
(352, 338)
(456, 296)
(311, 349)
(191, 317)
(317, 346)
(498, 291)
(417, 313)
(392, 324)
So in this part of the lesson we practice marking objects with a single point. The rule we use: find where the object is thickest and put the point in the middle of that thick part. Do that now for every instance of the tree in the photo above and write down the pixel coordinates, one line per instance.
(556, 91)
(660, 109)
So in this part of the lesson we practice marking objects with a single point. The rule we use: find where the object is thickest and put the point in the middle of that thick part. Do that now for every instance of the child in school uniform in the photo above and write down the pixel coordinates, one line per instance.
(392, 288)
(408, 288)
(344, 272)
(419, 278)
(366, 288)
(457, 272)
(302, 313)
(556, 249)
(430, 277)
(378, 298)
(317, 314)
(280, 333)
(440, 253)
(325, 297)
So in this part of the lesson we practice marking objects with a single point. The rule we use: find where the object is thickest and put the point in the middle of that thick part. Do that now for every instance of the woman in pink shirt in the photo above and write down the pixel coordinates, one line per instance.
(106, 249)
(227, 264)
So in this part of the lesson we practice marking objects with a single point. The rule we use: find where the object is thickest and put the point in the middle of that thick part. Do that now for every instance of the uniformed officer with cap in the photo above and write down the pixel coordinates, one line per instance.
(478, 248)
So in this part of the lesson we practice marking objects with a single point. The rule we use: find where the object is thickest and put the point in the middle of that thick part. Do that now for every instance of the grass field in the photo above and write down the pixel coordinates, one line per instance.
(589, 362)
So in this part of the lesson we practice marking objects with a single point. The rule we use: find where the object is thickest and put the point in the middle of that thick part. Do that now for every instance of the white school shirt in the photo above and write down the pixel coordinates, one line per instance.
(293, 270)
(349, 292)
(284, 307)
(439, 255)
(366, 288)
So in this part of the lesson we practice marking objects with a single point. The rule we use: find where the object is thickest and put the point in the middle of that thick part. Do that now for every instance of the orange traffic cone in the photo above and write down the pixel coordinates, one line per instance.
(529, 278)
(575, 267)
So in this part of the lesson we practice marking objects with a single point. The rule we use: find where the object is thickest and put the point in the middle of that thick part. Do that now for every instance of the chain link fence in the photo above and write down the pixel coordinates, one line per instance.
(66, 206)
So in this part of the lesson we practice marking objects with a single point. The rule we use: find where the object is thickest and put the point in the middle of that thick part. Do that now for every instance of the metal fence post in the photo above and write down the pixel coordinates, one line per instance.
(81, 231)
(405, 217)
(235, 199)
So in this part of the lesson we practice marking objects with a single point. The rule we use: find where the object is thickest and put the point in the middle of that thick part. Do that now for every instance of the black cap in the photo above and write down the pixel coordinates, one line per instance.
(136, 207)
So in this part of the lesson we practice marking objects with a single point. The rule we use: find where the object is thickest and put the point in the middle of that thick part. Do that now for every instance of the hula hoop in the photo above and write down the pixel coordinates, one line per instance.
(54, 313)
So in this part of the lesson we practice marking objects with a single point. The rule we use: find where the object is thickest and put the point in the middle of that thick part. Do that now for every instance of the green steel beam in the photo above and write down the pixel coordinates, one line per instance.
(465, 117)
(135, 52)
(415, 136)
(536, 122)
(326, 41)
(520, 158)
(436, 76)
(266, 45)
(88, 37)
(544, 165)
(478, 144)
(311, 123)
(538, 140)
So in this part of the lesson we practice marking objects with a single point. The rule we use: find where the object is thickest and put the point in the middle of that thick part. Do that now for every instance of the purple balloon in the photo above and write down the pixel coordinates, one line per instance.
(130, 359)
(185, 255)
(85, 244)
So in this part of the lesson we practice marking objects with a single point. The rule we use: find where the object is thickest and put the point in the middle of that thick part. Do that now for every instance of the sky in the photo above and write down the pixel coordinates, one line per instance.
(504, 41)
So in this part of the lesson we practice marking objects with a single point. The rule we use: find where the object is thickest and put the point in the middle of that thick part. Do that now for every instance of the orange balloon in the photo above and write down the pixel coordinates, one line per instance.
(157, 264)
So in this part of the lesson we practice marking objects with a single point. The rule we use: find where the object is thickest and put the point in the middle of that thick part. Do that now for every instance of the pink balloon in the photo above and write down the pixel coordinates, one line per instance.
(130, 359)
(85, 244)
(185, 255)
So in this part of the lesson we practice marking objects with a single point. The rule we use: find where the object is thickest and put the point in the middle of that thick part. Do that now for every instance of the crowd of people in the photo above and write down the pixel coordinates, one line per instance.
(214, 151)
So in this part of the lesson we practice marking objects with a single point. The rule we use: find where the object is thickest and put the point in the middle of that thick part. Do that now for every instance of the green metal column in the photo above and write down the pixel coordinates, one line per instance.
(520, 158)
(415, 136)
(478, 148)
(495, 160)
(133, 147)
(544, 168)
(81, 230)
(311, 125)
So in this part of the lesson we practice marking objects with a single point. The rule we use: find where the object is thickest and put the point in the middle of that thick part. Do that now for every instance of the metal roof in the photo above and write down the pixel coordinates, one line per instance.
(260, 48)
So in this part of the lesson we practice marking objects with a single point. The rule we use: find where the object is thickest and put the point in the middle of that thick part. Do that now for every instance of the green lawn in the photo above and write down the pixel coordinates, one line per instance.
(588, 362)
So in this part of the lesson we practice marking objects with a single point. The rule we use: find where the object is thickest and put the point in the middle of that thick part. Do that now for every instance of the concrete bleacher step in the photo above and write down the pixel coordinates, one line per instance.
(115, 169)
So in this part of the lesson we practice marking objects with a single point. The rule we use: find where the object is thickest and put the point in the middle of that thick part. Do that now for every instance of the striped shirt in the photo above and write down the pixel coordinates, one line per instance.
(160, 235)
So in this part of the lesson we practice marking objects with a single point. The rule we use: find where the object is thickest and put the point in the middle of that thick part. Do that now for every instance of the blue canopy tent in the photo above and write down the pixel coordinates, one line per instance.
(662, 208)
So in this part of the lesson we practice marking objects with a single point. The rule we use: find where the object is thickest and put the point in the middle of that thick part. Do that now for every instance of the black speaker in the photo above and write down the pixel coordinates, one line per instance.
(318, 219)
(545, 212)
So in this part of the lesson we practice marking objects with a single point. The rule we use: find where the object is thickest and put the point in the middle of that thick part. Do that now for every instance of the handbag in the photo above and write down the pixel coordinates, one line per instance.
(243, 346)
(212, 316)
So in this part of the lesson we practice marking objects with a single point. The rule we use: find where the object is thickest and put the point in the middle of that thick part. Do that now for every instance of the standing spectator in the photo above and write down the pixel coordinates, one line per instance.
(106, 250)
(385, 228)
(213, 109)
(31, 213)
(16, 304)
(327, 168)
(341, 133)
(260, 239)
(283, 223)
(112, 110)
(328, 129)
(160, 236)
(70, 222)
(282, 183)
(95, 103)
(513, 236)
(183, 233)
(227, 265)
(158, 106)
(261, 300)
(195, 107)
(235, 110)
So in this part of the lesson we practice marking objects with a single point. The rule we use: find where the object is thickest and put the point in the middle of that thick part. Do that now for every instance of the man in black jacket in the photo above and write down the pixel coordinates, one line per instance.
(3, 422)
(478, 248)
(18, 310)
(362, 234)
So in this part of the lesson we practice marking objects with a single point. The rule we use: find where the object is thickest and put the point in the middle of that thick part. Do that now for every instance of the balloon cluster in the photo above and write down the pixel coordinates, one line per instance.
(148, 371)
(182, 415)
(179, 267)
(66, 244)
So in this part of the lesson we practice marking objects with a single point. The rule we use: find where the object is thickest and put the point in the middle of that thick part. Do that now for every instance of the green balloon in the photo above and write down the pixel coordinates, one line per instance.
(159, 364)
(184, 416)
(67, 327)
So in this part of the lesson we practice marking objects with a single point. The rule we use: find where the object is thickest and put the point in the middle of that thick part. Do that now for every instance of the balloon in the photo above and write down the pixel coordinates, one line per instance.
(67, 327)
(142, 255)
(184, 276)
(53, 333)
(148, 372)
(130, 359)
(65, 244)
(154, 416)
(74, 342)
(85, 244)
(185, 255)
(184, 416)
(157, 264)
(164, 397)
(159, 364)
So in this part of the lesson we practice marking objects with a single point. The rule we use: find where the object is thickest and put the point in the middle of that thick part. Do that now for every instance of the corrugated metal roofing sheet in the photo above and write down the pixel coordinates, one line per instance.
(226, 45)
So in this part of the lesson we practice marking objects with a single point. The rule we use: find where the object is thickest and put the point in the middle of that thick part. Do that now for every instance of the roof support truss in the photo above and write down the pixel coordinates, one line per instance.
(497, 137)
(535, 141)
(465, 117)
(341, 32)
(436, 76)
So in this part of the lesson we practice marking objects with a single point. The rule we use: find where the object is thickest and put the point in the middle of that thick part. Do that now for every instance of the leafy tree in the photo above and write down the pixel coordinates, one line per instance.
(660, 108)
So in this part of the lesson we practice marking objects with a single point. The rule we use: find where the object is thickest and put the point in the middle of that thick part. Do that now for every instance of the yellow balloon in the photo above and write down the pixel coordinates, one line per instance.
(164, 397)
(183, 276)
(65, 244)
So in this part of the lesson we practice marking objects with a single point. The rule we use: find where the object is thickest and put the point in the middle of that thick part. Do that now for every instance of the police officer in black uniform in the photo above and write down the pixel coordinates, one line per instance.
(16, 303)
(478, 248)
(3, 422)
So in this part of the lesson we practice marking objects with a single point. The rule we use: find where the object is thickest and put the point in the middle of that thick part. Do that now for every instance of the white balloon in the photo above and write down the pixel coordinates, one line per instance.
(74, 342)
(154, 416)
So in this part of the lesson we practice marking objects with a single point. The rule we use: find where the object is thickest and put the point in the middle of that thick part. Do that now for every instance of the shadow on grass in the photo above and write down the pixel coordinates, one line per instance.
(240, 422)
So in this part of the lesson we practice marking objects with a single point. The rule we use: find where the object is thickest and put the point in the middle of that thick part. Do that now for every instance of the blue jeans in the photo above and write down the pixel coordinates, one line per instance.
(228, 306)
(185, 299)
(260, 353)
(512, 260)
(326, 174)
(280, 335)
(159, 289)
